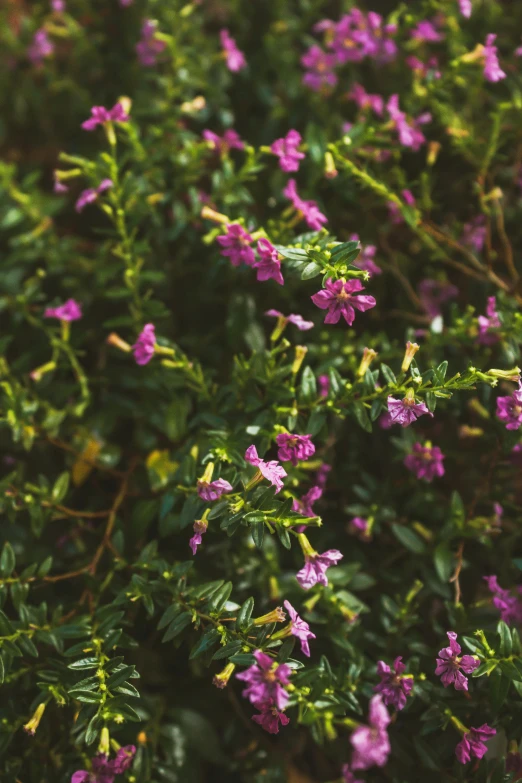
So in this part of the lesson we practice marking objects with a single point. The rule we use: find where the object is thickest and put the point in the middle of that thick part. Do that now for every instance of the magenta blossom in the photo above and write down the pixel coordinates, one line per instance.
(212, 490)
(509, 606)
(465, 8)
(103, 770)
(492, 70)
(365, 100)
(58, 6)
(425, 70)
(473, 742)
(144, 347)
(314, 570)
(100, 115)
(293, 318)
(488, 322)
(294, 448)
(270, 717)
(371, 746)
(149, 47)
(235, 58)
(59, 187)
(322, 475)
(236, 244)
(406, 411)
(268, 266)
(299, 628)
(90, 195)
(40, 48)
(433, 294)
(395, 212)
(425, 461)
(348, 776)
(338, 298)
(265, 682)
(319, 69)
(308, 209)
(408, 132)
(365, 260)
(222, 144)
(359, 526)
(272, 471)
(69, 311)
(287, 151)
(304, 506)
(426, 31)
(200, 528)
(358, 35)
(509, 409)
(450, 665)
(474, 233)
(394, 687)
(324, 385)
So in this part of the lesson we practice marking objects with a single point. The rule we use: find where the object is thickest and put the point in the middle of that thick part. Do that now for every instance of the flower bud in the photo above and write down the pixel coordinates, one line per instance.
(330, 172)
(104, 746)
(367, 358)
(434, 148)
(411, 350)
(115, 340)
(506, 375)
(32, 724)
(300, 353)
(277, 615)
(211, 214)
(221, 680)
(39, 372)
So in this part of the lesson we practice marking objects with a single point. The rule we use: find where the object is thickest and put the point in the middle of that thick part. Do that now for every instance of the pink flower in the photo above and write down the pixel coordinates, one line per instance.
(265, 682)
(358, 526)
(429, 69)
(509, 606)
(270, 717)
(450, 665)
(309, 209)
(235, 58)
(492, 70)
(304, 506)
(322, 475)
(324, 385)
(287, 151)
(488, 322)
(143, 348)
(465, 8)
(200, 528)
(365, 100)
(293, 318)
(268, 265)
(58, 6)
(294, 448)
(149, 47)
(272, 471)
(100, 115)
(472, 743)
(358, 35)
(300, 629)
(408, 132)
(69, 311)
(371, 746)
(40, 48)
(433, 294)
(406, 411)
(314, 570)
(393, 209)
(426, 31)
(212, 490)
(123, 760)
(474, 233)
(509, 409)
(394, 688)
(103, 770)
(425, 462)
(59, 186)
(348, 776)
(237, 245)
(222, 144)
(338, 298)
(90, 195)
(365, 260)
(319, 69)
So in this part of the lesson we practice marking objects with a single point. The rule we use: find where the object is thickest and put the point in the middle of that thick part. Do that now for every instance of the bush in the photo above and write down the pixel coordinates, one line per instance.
(242, 244)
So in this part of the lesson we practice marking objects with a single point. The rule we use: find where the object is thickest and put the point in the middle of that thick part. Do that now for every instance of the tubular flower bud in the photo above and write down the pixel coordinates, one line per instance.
(367, 358)
(411, 350)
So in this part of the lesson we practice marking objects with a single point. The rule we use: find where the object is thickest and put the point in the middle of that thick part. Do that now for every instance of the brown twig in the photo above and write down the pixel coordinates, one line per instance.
(456, 574)
(506, 244)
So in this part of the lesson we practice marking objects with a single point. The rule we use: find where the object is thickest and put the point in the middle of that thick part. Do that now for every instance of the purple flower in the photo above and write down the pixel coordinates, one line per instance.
(314, 570)
(509, 606)
(265, 682)
(365, 100)
(487, 322)
(59, 186)
(408, 132)
(395, 212)
(200, 528)
(358, 35)
(235, 58)
(431, 68)
(270, 717)
(394, 688)
(309, 209)
(322, 475)
(143, 348)
(304, 505)
(272, 471)
(230, 140)
(324, 385)
(58, 6)
(149, 47)
(294, 448)
(492, 70)
(90, 195)
(425, 461)
(287, 151)
(300, 629)
(293, 318)
(358, 526)
(433, 294)
(474, 233)
(268, 266)
(472, 743)
(365, 260)
(40, 48)
(348, 776)
(212, 490)
(509, 409)
(406, 411)
(371, 746)
(100, 115)
(426, 31)
(69, 311)
(123, 760)
(450, 665)
(237, 245)
(338, 298)
(465, 8)
(103, 770)
(319, 69)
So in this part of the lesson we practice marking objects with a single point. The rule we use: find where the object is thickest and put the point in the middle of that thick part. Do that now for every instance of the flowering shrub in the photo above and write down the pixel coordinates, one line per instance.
(260, 396)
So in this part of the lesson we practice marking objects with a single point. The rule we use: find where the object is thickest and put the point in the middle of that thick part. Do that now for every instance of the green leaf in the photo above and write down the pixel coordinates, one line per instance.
(505, 639)
(7, 560)
(409, 539)
(458, 513)
(361, 414)
(308, 385)
(389, 376)
(284, 536)
(84, 663)
(244, 614)
(498, 689)
(60, 487)
(229, 649)
(207, 641)
(257, 532)
(168, 615)
(311, 270)
(88, 697)
(444, 562)
(220, 598)
(177, 626)
(120, 675)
